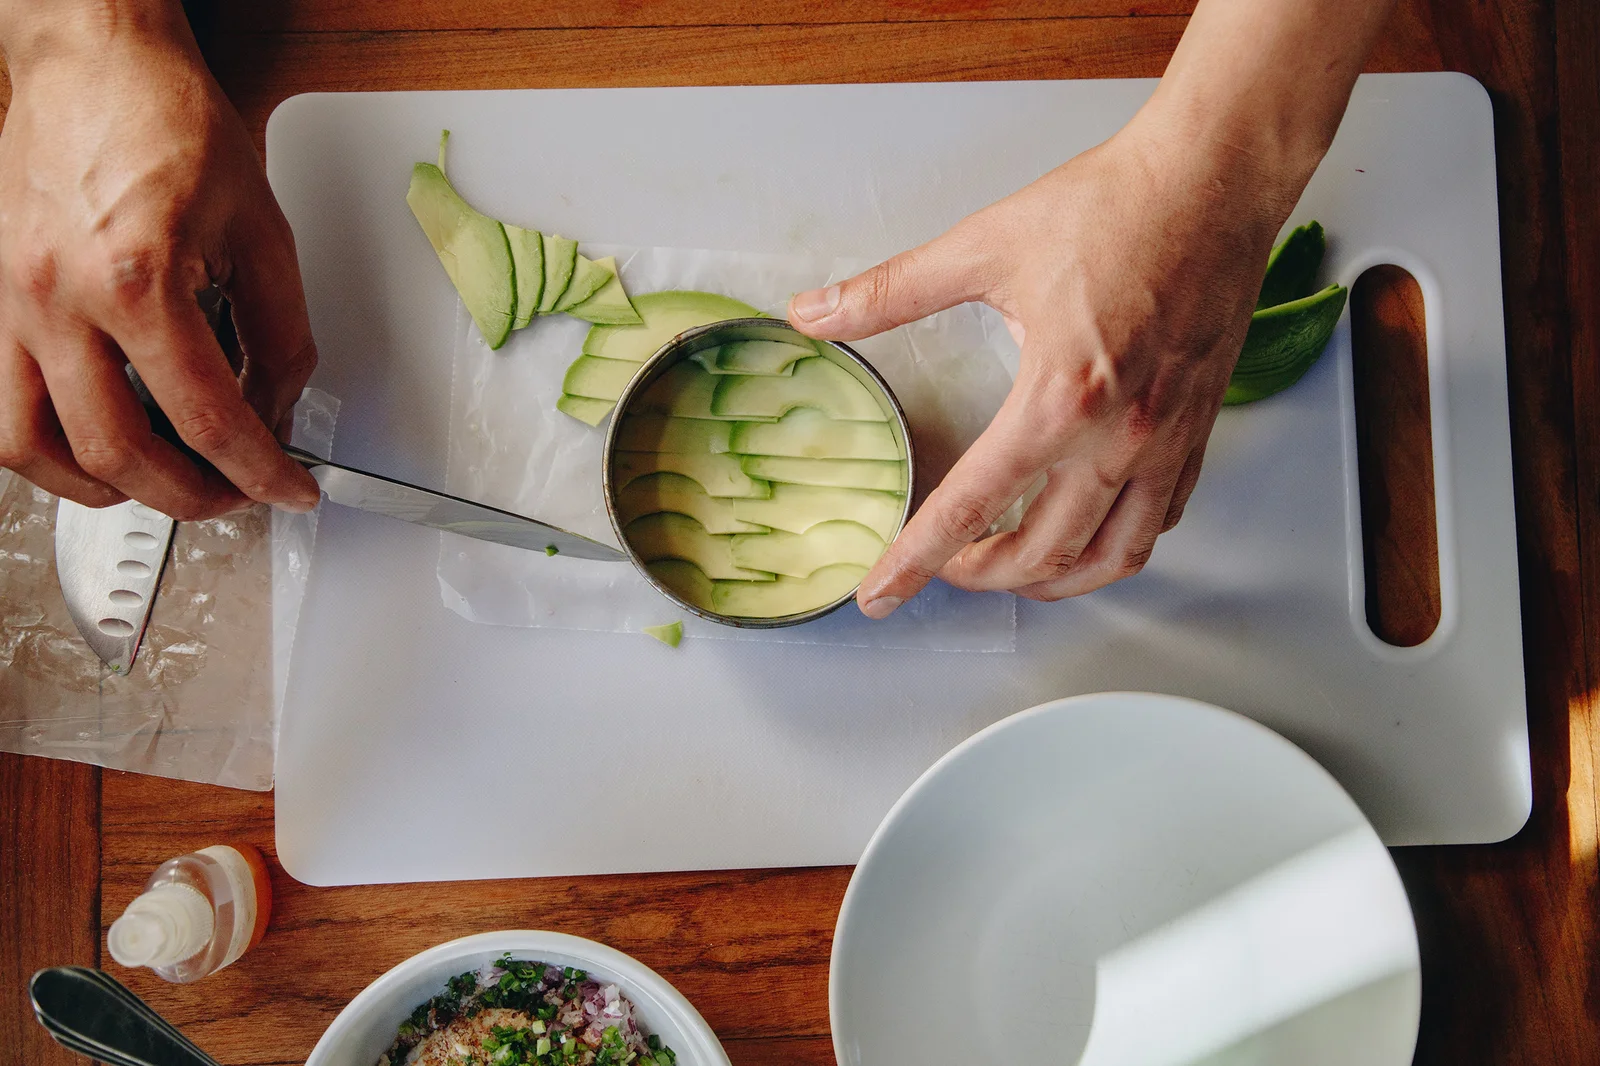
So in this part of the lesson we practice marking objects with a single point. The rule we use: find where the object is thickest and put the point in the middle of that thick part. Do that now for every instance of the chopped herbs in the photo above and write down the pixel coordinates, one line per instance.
(525, 1013)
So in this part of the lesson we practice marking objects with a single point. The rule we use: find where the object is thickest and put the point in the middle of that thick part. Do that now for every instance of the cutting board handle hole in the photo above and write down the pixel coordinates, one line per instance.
(1394, 451)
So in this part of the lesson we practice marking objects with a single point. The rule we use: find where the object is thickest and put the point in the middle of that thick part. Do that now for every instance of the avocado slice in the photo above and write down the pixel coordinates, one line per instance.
(683, 389)
(802, 554)
(674, 536)
(786, 595)
(588, 277)
(610, 304)
(662, 433)
(817, 383)
(719, 475)
(809, 434)
(680, 495)
(585, 409)
(665, 315)
(766, 358)
(670, 634)
(686, 580)
(880, 474)
(472, 248)
(1292, 267)
(598, 379)
(1283, 343)
(796, 508)
(527, 255)
(560, 259)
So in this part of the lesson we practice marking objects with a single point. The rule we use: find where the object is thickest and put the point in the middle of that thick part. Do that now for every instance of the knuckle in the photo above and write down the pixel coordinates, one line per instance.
(1047, 564)
(961, 520)
(1134, 561)
(34, 274)
(207, 428)
(105, 458)
(131, 274)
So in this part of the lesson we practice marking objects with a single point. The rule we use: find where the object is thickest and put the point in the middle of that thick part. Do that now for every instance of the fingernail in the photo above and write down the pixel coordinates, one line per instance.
(818, 303)
(296, 506)
(882, 607)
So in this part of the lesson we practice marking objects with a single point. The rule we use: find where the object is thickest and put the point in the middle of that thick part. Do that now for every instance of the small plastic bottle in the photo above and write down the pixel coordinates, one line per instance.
(199, 913)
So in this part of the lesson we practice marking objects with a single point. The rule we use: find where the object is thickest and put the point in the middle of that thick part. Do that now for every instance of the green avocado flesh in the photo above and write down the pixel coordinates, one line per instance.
(598, 379)
(808, 434)
(527, 255)
(668, 535)
(817, 383)
(670, 634)
(665, 315)
(1292, 324)
(590, 412)
(609, 304)
(770, 358)
(802, 554)
(588, 278)
(786, 595)
(685, 580)
(796, 508)
(880, 474)
(684, 389)
(560, 259)
(719, 475)
(660, 433)
(472, 248)
(1283, 343)
(679, 495)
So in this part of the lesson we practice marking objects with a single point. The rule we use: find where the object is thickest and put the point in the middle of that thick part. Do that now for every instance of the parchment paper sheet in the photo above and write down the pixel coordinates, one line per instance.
(201, 700)
(511, 448)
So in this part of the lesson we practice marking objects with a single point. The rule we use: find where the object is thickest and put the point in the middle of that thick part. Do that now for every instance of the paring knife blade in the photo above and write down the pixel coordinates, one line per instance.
(109, 562)
(424, 507)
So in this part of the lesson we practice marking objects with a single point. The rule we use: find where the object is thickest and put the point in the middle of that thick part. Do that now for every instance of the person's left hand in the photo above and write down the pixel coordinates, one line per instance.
(1128, 276)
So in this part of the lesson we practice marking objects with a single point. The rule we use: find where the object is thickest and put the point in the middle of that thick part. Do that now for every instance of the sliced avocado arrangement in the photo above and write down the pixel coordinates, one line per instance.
(787, 469)
(471, 246)
(505, 274)
(1293, 321)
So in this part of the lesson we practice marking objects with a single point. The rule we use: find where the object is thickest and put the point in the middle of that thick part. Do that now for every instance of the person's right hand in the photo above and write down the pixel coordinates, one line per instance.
(127, 185)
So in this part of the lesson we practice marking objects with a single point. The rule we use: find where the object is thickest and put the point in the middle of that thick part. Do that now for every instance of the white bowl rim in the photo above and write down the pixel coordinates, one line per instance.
(707, 1049)
(923, 782)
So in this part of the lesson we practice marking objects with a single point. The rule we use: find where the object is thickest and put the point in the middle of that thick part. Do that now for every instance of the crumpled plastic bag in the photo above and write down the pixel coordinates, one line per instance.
(201, 702)
(510, 448)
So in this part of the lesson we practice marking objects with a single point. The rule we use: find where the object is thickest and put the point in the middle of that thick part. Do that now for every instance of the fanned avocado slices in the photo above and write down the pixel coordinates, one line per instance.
(470, 245)
(560, 259)
(527, 255)
(609, 305)
(588, 277)
(1292, 267)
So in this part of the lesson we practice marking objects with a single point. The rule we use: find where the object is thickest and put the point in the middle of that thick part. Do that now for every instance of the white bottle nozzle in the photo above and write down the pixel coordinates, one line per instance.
(166, 925)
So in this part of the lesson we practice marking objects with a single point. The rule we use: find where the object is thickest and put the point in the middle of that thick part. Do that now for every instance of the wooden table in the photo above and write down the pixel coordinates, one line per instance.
(1510, 933)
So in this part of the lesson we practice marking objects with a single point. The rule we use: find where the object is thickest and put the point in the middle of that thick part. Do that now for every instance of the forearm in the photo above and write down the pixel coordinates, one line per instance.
(1259, 86)
(32, 32)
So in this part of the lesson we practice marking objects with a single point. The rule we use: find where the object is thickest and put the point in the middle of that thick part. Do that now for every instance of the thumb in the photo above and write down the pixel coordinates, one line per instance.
(914, 284)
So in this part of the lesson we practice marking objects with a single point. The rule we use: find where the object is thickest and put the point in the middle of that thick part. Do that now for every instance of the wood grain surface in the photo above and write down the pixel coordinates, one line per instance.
(1511, 932)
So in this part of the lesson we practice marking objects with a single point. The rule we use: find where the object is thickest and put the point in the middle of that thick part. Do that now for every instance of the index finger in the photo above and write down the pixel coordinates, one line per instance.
(186, 372)
(999, 467)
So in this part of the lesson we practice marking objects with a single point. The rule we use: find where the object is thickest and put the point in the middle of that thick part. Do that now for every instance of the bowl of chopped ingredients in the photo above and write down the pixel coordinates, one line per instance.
(519, 998)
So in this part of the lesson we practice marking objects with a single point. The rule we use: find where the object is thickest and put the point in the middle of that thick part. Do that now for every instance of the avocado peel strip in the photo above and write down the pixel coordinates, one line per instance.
(1292, 323)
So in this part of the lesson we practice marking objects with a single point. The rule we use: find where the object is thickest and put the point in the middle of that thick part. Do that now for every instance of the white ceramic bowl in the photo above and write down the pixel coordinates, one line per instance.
(1125, 880)
(367, 1025)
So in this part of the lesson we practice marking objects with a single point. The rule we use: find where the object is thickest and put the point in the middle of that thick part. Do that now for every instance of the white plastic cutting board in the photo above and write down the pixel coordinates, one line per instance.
(418, 746)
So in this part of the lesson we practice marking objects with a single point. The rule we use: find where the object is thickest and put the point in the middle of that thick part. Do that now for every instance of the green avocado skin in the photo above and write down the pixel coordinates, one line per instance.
(1283, 343)
(1292, 267)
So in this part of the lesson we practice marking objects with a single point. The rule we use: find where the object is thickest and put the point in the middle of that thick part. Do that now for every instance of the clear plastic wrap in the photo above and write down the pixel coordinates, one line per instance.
(202, 698)
(511, 448)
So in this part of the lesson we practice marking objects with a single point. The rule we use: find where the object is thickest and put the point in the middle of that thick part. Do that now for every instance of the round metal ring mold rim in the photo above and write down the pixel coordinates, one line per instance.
(714, 335)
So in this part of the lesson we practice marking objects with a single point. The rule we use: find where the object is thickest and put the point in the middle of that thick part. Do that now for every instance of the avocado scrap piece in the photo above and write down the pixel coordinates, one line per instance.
(670, 634)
